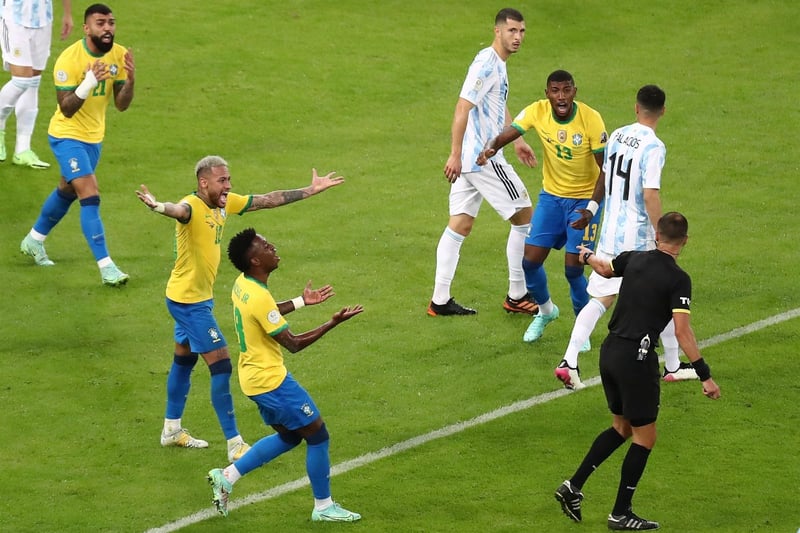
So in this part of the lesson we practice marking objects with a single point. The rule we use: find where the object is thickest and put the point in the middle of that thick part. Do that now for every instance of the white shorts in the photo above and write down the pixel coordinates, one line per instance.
(599, 286)
(25, 47)
(497, 183)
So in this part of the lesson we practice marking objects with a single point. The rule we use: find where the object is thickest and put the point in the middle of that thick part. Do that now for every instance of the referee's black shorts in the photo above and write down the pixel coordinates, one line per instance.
(633, 388)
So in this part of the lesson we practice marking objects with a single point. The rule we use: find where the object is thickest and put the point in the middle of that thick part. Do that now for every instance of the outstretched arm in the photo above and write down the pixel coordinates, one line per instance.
(279, 198)
(601, 266)
(523, 150)
(181, 212)
(509, 134)
(309, 297)
(295, 343)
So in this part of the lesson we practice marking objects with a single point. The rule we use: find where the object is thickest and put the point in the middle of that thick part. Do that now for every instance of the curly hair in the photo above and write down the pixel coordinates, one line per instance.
(238, 247)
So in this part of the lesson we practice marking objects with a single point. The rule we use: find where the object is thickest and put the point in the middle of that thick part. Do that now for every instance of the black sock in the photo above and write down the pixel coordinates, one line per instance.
(632, 470)
(603, 446)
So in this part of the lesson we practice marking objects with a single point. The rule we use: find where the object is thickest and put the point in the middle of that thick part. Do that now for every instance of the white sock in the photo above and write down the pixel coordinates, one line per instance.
(546, 308)
(324, 503)
(35, 235)
(582, 330)
(9, 95)
(671, 350)
(515, 249)
(171, 425)
(235, 440)
(447, 254)
(104, 262)
(27, 109)
(232, 474)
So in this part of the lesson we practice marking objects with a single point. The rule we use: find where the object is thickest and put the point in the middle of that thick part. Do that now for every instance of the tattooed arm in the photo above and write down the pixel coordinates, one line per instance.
(279, 198)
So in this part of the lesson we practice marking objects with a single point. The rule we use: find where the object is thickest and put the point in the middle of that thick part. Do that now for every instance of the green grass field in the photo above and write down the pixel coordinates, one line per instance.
(368, 91)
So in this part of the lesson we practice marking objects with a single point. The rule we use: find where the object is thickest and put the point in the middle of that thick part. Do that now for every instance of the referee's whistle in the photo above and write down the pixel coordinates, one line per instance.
(644, 347)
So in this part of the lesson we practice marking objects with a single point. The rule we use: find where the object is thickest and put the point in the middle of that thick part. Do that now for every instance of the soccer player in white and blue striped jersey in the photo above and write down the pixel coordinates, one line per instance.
(633, 160)
(26, 37)
(481, 113)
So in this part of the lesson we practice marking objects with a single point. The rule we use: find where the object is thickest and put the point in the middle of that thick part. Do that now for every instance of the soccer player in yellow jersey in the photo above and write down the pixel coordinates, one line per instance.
(573, 136)
(200, 219)
(88, 75)
(283, 402)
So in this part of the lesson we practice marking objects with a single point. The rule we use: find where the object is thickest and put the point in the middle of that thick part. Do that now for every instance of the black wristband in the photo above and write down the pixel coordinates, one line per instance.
(586, 256)
(702, 369)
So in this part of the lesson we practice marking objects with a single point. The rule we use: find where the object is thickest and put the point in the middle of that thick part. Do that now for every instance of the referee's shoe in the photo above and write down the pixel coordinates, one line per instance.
(570, 500)
(630, 522)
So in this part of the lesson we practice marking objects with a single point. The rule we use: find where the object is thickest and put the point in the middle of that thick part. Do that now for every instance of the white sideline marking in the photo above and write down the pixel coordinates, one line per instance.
(446, 431)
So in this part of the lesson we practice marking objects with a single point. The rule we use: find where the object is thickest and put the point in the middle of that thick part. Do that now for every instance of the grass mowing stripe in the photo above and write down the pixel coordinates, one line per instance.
(446, 431)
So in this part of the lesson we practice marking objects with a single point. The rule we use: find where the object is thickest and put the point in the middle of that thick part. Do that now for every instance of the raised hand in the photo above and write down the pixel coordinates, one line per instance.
(317, 296)
(346, 313)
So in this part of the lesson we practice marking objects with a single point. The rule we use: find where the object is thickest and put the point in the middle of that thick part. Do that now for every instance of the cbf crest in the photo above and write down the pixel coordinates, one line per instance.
(214, 334)
(577, 139)
(113, 69)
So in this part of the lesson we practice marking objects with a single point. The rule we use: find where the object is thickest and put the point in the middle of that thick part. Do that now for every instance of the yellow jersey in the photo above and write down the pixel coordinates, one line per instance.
(257, 319)
(197, 248)
(570, 169)
(88, 124)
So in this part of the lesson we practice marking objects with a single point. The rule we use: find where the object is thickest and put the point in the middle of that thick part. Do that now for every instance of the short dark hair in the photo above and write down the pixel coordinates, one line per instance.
(673, 227)
(508, 13)
(238, 248)
(651, 97)
(559, 76)
(96, 8)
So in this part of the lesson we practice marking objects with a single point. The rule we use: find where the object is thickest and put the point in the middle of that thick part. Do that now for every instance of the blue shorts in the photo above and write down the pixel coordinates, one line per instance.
(550, 224)
(196, 326)
(289, 405)
(75, 158)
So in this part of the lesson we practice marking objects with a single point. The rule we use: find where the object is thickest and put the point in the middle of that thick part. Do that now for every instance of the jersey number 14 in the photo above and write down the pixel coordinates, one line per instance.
(617, 164)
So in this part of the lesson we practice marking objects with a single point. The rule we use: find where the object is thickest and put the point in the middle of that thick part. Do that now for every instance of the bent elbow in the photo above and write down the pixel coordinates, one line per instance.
(293, 347)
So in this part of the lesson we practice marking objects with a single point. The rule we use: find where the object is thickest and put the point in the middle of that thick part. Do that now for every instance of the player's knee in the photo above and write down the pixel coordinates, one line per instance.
(320, 436)
(223, 366)
(185, 360)
(573, 272)
(66, 196)
(24, 84)
(640, 422)
(90, 200)
(291, 438)
(601, 303)
(530, 266)
(522, 229)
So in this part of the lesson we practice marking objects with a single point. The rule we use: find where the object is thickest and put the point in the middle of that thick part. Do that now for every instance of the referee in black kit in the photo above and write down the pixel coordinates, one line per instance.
(654, 290)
